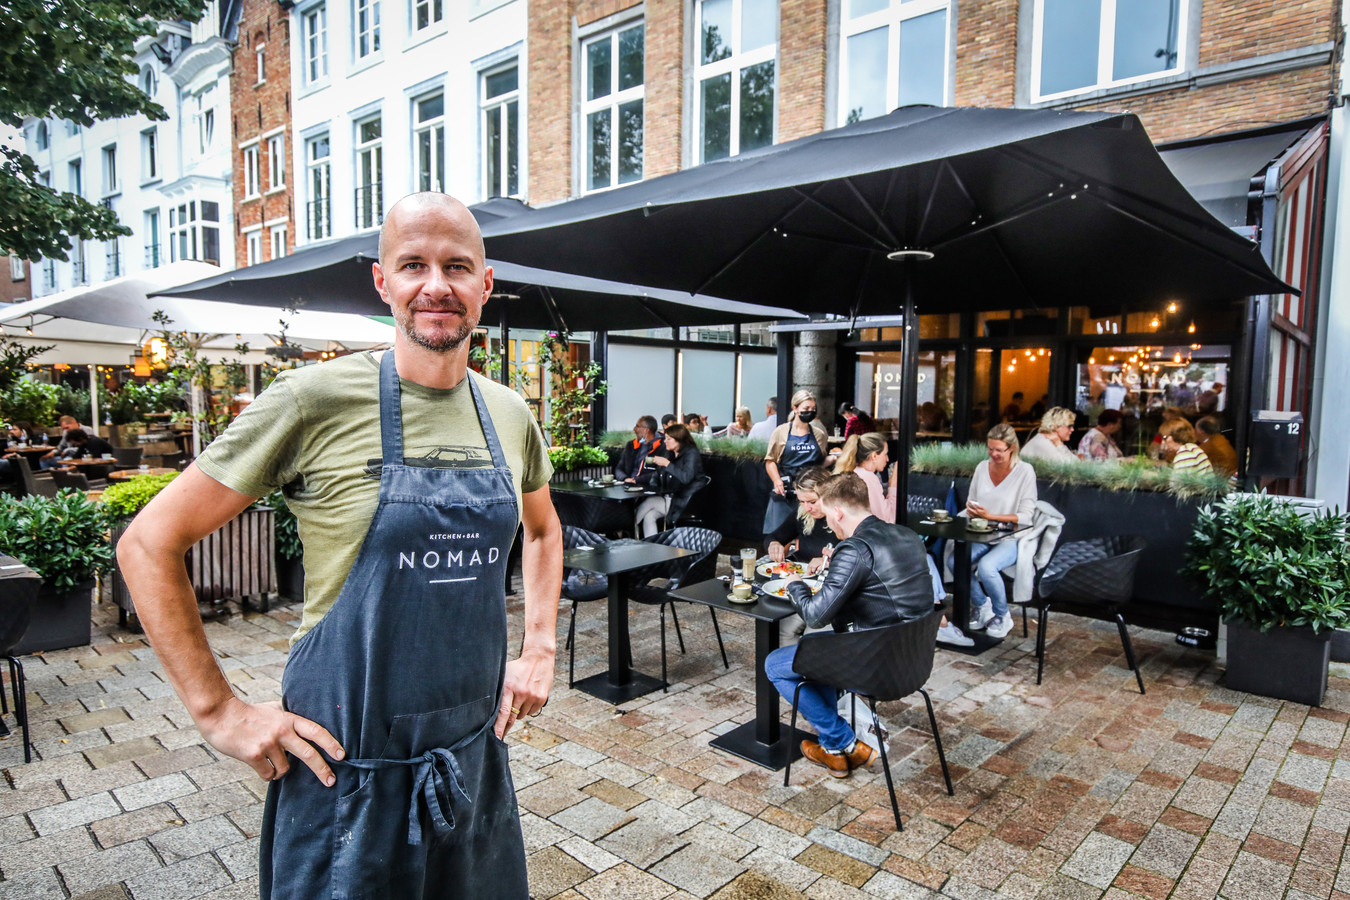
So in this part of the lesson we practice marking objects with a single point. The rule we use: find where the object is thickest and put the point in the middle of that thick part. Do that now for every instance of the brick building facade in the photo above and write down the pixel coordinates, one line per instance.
(264, 161)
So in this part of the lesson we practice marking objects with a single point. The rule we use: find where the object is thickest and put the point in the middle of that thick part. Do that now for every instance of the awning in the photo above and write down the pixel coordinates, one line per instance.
(1218, 170)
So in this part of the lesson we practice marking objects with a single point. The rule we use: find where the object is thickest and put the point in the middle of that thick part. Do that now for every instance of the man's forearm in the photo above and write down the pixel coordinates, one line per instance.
(541, 561)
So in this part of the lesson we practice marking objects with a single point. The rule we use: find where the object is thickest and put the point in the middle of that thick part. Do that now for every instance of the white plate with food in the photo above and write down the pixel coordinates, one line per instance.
(778, 587)
(780, 570)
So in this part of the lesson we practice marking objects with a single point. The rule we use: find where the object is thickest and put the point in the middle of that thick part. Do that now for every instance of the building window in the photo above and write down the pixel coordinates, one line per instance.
(149, 155)
(367, 28)
(79, 264)
(427, 13)
(894, 54)
(1083, 45)
(154, 254)
(253, 247)
(75, 177)
(110, 169)
(369, 174)
(612, 91)
(16, 270)
(319, 218)
(206, 119)
(276, 162)
(501, 132)
(315, 23)
(429, 142)
(149, 83)
(112, 256)
(734, 73)
(278, 236)
(251, 180)
(260, 63)
(43, 138)
(194, 231)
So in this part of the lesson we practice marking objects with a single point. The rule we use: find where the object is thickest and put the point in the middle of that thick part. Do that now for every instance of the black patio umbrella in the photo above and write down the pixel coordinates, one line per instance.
(992, 208)
(335, 276)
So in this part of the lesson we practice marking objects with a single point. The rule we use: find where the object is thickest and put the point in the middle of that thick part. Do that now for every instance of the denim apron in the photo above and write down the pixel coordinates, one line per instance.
(799, 452)
(406, 671)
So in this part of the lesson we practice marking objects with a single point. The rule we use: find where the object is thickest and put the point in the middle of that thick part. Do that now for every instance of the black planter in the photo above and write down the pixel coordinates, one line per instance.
(1284, 663)
(291, 578)
(734, 501)
(59, 620)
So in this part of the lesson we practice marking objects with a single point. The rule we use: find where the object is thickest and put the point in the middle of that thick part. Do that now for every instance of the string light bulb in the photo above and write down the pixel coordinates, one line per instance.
(1092, 360)
(1176, 357)
(1154, 323)
(1172, 307)
(1191, 329)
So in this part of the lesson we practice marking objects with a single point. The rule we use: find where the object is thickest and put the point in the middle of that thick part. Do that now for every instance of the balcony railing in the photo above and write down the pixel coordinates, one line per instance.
(49, 276)
(114, 264)
(154, 256)
(370, 205)
(318, 218)
(80, 268)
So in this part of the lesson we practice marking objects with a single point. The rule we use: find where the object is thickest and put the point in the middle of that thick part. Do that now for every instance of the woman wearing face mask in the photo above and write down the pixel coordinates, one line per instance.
(794, 446)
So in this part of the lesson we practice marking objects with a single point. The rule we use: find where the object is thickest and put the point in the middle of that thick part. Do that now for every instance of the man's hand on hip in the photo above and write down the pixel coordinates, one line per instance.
(528, 680)
(262, 734)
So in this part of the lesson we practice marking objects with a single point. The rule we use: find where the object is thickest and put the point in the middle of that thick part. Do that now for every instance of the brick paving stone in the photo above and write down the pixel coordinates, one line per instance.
(188, 878)
(757, 886)
(155, 790)
(112, 754)
(1255, 878)
(101, 869)
(99, 719)
(43, 852)
(592, 818)
(1098, 860)
(73, 812)
(1165, 851)
(552, 871)
(39, 884)
(107, 892)
(241, 859)
(697, 870)
(186, 841)
(642, 843)
(624, 882)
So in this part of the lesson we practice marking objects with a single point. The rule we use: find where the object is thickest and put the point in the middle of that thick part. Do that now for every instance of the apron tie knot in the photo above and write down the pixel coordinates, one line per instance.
(438, 782)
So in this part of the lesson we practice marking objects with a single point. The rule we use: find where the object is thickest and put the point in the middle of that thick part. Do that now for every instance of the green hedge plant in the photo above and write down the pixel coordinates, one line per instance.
(565, 459)
(63, 538)
(1268, 566)
(129, 497)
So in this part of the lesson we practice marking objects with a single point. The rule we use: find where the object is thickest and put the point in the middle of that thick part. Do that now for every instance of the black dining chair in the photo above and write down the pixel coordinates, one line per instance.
(36, 483)
(128, 457)
(876, 664)
(593, 513)
(65, 480)
(677, 512)
(580, 586)
(1096, 572)
(686, 570)
(17, 597)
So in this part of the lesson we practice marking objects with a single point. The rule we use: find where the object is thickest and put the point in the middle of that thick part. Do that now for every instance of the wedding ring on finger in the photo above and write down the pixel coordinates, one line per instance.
(515, 711)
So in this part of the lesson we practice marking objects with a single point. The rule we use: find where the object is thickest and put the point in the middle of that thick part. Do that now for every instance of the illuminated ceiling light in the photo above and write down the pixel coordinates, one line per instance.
(1191, 329)
(1195, 346)
(907, 253)
(1172, 307)
(1110, 359)
(1092, 360)
(1176, 357)
(1011, 369)
(1041, 352)
(1154, 323)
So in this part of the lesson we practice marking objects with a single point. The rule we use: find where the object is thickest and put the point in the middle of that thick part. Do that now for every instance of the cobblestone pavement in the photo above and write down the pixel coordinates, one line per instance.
(1079, 788)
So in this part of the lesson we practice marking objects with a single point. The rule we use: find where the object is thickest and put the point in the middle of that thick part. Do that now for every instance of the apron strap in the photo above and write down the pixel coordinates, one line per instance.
(437, 782)
(391, 416)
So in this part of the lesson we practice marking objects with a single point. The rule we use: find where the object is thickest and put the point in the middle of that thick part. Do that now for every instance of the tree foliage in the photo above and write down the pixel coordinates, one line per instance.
(73, 60)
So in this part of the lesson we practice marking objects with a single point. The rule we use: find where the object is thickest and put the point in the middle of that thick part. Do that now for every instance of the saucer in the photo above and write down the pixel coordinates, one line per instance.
(734, 599)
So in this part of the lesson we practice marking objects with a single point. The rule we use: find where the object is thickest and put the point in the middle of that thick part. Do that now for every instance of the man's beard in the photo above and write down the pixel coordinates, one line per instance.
(440, 341)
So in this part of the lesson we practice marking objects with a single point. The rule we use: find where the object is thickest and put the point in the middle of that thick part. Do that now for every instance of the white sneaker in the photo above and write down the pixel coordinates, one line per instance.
(981, 616)
(999, 626)
(950, 634)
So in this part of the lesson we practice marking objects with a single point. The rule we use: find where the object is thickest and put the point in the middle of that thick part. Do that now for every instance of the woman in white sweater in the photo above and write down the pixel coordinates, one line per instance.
(1052, 440)
(1003, 489)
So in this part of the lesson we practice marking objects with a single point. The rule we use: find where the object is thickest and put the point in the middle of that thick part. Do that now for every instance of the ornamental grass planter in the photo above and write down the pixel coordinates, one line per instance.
(59, 621)
(1284, 663)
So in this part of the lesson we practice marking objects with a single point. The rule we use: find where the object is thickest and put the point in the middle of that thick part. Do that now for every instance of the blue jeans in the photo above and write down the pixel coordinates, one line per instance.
(939, 589)
(986, 584)
(817, 703)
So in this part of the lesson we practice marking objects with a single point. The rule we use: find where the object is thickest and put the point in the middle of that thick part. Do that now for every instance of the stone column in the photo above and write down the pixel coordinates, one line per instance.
(814, 369)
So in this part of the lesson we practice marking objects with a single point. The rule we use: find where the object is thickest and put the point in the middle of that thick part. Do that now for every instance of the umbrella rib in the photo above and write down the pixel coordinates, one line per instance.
(880, 245)
(642, 301)
(876, 216)
(1025, 209)
(932, 197)
(998, 244)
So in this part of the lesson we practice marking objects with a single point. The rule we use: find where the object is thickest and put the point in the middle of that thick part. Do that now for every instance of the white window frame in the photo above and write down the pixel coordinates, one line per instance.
(319, 185)
(252, 245)
(893, 17)
(109, 157)
(314, 44)
(252, 181)
(434, 128)
(366, 28)
(276, 162)
(16, 270)
(74, 177)
(260, 64)
(733, 64)
(276, 239)
(611, 102)
(369, 195)
(149, 155)
(502, 102)
(435, 14)
(154, 253)
(1105, 51)
(42, 136)
(206, 120)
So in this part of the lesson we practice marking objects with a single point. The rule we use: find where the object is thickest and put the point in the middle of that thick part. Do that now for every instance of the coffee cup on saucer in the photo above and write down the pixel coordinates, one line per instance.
(742, 590)
(607, 479)
(978, 525)
(941, 515)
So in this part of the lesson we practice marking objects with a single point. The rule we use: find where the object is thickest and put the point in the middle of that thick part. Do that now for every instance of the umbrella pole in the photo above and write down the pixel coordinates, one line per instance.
(93, 399)
(909, 393)
(504, 326)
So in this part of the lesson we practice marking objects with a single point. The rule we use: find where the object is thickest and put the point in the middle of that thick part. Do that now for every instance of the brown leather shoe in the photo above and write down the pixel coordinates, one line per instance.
(861, 757)
(836, 763)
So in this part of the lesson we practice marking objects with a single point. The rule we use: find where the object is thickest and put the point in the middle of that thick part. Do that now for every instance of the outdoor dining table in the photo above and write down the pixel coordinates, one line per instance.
(955, 530)
(596, 507)
(615, 559)
(765, 741)
(127, 474)
(91, 466)
(32, 453)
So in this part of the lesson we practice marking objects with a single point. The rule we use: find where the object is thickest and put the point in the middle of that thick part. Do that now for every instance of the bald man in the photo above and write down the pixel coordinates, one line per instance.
(408, 475)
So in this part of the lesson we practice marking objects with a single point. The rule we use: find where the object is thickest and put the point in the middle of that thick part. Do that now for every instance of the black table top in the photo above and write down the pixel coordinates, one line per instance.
(955, 529)
(613, 557)
(713, 592)
(616, 491)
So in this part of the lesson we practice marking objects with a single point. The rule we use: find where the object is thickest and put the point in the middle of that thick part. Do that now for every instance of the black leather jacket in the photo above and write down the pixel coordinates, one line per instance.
(634, 452)
(877, 577)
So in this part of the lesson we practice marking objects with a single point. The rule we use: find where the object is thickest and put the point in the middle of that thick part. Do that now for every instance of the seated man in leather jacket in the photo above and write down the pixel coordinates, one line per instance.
(645, 442)
(878, 576)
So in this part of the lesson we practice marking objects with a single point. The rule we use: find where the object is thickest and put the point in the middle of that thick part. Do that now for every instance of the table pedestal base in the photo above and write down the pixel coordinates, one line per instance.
(741, 741)
(600, 686)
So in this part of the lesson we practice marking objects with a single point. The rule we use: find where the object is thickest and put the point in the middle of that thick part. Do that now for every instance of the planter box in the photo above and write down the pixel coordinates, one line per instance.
(734, 501)
(291, 578)
(1284, 663)
(59, 621)
(582, 473)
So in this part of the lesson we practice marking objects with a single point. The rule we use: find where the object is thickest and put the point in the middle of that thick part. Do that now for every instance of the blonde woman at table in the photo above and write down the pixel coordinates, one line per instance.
(1003, 489)
(1052, 440)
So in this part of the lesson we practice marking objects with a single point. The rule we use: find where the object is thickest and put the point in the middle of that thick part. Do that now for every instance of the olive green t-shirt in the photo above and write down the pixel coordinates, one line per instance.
(316, 433)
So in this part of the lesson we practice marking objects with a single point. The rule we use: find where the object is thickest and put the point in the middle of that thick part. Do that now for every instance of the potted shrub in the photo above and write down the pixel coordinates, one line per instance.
(1282, 583)
(64, 539)
(123, 501)
(572, 463)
